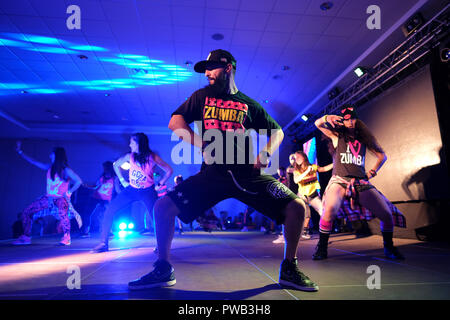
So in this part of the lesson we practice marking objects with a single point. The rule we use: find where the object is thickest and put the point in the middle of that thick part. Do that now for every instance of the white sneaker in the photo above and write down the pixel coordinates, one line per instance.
(244, 229)
(280, 239)
(65, 240)
(263, 229)
(22, 240)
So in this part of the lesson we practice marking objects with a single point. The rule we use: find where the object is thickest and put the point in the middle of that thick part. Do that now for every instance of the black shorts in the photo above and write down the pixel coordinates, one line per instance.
(216, 183)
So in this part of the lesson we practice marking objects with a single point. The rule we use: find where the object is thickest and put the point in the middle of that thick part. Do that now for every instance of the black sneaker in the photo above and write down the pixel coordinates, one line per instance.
(291, 276)
(162, 276)
(320, 254)
(393, 253)
(101, 247)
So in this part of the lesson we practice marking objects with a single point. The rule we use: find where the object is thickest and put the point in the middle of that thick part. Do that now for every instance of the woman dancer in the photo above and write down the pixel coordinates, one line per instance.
(141, 186)
(351, 138)
(57, 200)
(104, 190)
(305, 175)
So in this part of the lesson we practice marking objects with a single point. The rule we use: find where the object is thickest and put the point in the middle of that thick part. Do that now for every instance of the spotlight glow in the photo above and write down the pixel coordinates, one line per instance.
(125, 166)
(130, 226)
(152, 72)
(122, 234)
(122, 226)
(359, 72)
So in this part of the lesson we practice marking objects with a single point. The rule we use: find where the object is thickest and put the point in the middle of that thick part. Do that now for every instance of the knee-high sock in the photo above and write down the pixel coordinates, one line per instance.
(325, 228)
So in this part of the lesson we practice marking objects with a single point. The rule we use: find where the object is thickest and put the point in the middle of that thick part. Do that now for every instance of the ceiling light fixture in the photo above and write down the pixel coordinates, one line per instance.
(414, 23)
(360, 71)
(326, 6)
(217, 36)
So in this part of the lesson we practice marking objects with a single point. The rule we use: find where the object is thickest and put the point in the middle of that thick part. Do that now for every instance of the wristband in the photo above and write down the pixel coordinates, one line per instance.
(373, 172)
(326, 118)
(121, 179)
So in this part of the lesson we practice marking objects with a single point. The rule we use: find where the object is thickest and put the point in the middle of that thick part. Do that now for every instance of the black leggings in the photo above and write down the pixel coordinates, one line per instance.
(129, 195)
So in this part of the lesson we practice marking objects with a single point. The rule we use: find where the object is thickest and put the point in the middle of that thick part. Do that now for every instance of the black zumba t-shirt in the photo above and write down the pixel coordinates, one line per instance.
(349, 159)
(227, 113)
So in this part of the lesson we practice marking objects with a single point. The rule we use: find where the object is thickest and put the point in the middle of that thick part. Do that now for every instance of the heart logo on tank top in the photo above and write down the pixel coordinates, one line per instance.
(353, 146)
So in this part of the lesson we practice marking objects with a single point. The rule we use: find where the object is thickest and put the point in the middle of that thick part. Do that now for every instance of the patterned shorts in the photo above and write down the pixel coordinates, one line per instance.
(216, 183)
(52, 209)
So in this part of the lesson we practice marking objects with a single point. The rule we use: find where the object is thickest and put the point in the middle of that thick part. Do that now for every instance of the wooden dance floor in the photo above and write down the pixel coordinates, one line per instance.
(223, 265)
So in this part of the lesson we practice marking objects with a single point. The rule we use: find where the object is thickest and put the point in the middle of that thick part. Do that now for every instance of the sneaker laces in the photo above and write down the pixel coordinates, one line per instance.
(300, 274)
(158, 265)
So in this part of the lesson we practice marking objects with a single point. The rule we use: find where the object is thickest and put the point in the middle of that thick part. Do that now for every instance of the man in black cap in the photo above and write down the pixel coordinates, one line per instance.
(225, 116)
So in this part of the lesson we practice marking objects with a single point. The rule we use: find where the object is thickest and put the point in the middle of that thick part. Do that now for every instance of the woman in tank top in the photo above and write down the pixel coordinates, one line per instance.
(141, 186)
(351, 138)
(56, 202)
(105, 189)
(305, 175)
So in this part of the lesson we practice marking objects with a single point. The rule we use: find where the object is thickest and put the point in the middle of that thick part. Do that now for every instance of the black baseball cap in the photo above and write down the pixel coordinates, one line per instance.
(217, 58)
(349, 112)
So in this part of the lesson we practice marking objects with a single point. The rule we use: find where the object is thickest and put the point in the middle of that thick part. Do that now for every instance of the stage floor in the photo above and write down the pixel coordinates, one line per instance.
(223, 265)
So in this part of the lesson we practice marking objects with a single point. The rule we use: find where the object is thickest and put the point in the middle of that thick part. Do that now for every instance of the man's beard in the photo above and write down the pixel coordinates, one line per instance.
(219, 86)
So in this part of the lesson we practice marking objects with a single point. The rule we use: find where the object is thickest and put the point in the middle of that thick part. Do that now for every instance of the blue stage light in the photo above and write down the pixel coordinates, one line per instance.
(88, 48)
(130, 225)
(13, 43)
(122, 226)
(13, 86)
(45, 91)
(43, 40)
(122, 234)
(53, 50)
(152, 72)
